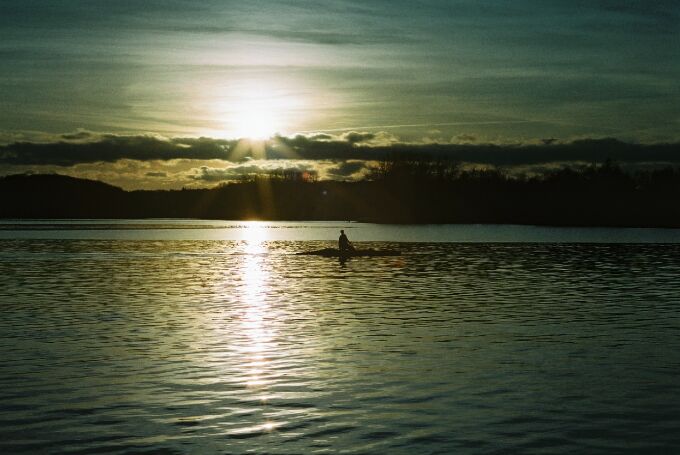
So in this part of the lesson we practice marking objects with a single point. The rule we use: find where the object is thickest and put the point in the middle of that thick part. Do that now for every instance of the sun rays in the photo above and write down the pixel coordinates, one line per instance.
(257, 109)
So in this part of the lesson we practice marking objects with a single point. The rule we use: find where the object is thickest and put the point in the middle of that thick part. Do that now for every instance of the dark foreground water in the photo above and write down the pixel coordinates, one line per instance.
(234, 346)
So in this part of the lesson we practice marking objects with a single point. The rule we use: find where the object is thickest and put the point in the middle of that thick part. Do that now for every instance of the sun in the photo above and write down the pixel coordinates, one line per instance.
(255, 121)
(257, 109)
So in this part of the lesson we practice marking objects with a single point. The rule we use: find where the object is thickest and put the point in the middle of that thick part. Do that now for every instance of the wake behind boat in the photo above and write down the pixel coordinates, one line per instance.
(336, 253)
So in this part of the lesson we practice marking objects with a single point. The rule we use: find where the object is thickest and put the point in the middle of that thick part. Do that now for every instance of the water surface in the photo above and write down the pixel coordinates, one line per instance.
(184, 229)
(236, 344)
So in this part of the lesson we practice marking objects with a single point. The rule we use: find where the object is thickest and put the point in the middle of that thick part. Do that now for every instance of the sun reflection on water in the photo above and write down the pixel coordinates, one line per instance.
(257, 333)
(248, 330)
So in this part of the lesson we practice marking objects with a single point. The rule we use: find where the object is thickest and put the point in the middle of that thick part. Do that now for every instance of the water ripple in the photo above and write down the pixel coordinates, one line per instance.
(236, 346)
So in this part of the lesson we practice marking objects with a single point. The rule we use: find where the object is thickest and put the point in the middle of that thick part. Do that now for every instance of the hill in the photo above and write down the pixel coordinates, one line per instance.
(397, 193)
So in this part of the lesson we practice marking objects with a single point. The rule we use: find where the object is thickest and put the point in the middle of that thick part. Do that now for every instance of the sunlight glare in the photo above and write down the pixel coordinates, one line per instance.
(254, 318)
(255, 122)
(254, 233)
(257, 109)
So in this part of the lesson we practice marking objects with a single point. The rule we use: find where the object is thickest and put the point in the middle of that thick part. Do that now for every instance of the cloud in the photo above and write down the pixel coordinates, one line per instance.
(465, 139)
(589, 150)
(79, 135)
(156, 174)
(210, 174)
(354, 61)
(329, 38)
(348, 170)
(110, 148)
(321, 137)
(351, 146)
(249, 169)
(355, 137)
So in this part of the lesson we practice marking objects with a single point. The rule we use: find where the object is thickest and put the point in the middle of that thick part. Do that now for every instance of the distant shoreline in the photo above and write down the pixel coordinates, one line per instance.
(28, 226)
(601, 197)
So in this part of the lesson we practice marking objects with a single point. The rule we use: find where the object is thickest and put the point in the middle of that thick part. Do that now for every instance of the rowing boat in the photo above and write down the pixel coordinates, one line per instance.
(336, 253)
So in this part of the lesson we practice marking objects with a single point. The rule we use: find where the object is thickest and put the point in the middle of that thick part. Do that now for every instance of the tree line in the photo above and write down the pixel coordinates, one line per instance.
(397, 191)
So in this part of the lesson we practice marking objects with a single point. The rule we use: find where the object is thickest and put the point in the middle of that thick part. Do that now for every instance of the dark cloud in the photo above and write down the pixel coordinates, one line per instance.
(347, 170)
(111, 148)
(355, 137)
(661, 10)
(321, 137)
(156, 174)
(589, 150)
(77, 136)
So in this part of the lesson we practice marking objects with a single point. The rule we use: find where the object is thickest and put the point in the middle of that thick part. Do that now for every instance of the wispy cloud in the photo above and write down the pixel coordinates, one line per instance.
(420, 125)
(506, 69)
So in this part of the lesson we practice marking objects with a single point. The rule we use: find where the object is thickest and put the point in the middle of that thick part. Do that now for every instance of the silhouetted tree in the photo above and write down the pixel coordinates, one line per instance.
(403, 191)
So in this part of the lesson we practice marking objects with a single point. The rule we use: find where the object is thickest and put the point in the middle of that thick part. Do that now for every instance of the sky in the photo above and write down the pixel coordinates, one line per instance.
(401, 72)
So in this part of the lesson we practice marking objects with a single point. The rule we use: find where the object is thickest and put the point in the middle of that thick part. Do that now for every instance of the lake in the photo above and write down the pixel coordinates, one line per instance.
(195, 336)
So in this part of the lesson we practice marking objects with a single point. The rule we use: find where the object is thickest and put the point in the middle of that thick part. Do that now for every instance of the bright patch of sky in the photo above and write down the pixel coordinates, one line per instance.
(495, 70)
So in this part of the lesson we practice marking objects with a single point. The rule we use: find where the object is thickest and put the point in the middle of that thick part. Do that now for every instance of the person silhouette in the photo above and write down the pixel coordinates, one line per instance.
(343, 243)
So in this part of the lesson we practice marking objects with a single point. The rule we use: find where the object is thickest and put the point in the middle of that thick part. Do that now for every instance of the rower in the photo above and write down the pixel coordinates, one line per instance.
(343, 243)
